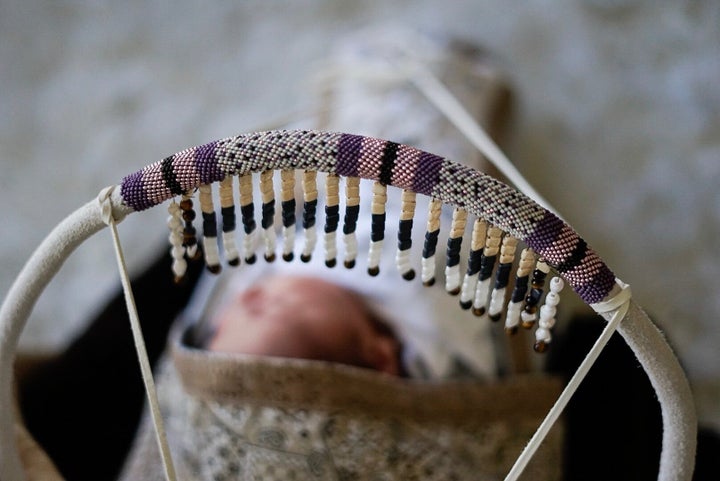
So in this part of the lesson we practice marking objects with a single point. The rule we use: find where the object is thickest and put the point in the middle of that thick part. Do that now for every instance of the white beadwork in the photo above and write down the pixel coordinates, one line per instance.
(481, 295)
(330, 245)
(452, 279)
(270, 240)
(230, 246)
(402, 261)
(288, 234)
(428, 269)
(548, 311)
(512, 318)
(497, 300)
(351, 248)
(177, 251)
(374, 254)
(310, 241)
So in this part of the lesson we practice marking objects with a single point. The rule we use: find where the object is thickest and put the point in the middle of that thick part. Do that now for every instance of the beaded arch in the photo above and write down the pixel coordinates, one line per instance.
(388, 163)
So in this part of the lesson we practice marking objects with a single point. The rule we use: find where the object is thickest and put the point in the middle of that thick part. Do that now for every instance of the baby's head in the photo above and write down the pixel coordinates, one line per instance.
(308, 318)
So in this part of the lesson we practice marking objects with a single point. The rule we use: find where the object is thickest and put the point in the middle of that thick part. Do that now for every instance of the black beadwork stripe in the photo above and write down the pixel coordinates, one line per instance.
(538, 278)
(576, 257)
(377, 232)
(168, 174)
(189, 236)
(474, 262)
(503, 275)
(209, 224)
(351, 216)
(309, 208)
(521, 284)
(288, 212)
(332, 218)
(486, 266)
(405, 234)
(248, 217)
(533, 299)
(453, 251)
(431, 240)
(388, 162)
(228, 218)
(268, 214)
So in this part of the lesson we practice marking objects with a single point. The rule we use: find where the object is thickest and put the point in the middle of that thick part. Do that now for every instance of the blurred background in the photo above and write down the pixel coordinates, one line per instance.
(617, 125)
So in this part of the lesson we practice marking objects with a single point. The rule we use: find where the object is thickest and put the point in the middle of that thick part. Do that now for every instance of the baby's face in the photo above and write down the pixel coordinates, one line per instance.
(308, 318)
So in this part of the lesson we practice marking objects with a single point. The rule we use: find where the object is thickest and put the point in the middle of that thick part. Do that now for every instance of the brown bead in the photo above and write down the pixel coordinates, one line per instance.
(478, 311)
(540, 346)
(373, 271)
(186, 204)
(527, 324)
(511, 331)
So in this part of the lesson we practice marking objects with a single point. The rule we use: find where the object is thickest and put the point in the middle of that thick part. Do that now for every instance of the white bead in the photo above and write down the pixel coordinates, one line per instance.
(547, 323)
(428, 268)
(330, 245)
(527, 317)
(173, 222)
(547, 312)
(402, 261)
(552, 299)
(374, 253)
(481, 294)
(179, 267)
(557, 284)
(288, 239)
(177, 252)
(468, 287)
(512, 318)
(497, 299)
(173, 208)
(542, 334)
(452, 278)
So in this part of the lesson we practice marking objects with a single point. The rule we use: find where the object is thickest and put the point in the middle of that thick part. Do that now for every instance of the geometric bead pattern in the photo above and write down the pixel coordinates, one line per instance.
(389, 163)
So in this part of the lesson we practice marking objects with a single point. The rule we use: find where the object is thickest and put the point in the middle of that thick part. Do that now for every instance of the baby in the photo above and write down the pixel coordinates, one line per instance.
(305, 317)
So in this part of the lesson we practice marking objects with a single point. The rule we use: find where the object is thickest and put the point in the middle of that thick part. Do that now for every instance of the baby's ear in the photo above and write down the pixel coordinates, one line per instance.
(383, 355)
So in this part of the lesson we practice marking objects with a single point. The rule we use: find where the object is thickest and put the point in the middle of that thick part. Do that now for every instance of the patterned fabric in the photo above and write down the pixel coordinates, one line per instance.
(392, 164)
(234, 417)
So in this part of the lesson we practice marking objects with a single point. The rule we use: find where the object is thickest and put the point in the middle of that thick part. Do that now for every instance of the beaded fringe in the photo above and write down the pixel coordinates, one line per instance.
(485, 288)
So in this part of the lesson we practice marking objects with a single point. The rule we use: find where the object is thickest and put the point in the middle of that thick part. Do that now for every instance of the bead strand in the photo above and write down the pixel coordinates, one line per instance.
(247, 211)
(502, 277)
(548, 311)
(212, 255)
(189, 233)
(525, 265)
(352, 212)
(377, 232)
(529, 314)
(477, 244)
(227, 212)
(177, 251)
(310, 195)
(487, 264)
(288, 205)
(407, 212)
(431, 239)
(452, 259)
(332, 218)
(268, 214)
